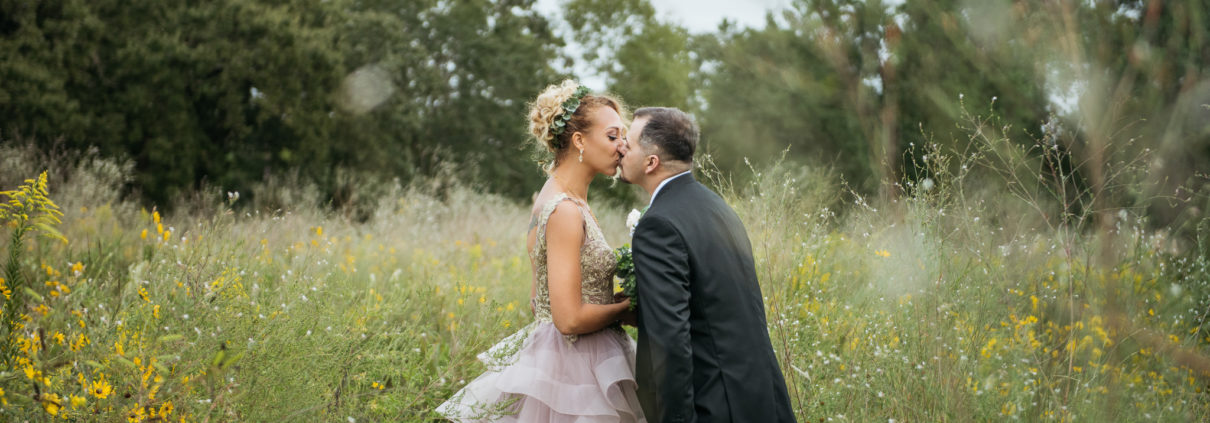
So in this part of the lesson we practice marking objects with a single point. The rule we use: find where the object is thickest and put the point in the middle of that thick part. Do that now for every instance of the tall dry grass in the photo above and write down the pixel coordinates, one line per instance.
(967, 297)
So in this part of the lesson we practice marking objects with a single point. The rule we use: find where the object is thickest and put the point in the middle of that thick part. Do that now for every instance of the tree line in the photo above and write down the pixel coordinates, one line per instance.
(230, 92)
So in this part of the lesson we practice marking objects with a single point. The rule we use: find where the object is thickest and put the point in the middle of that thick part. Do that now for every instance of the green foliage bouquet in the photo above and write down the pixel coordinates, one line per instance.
(625, 272)
(625, 268)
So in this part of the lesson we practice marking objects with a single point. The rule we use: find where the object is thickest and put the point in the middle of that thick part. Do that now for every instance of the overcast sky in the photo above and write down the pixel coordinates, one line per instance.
(698, 16)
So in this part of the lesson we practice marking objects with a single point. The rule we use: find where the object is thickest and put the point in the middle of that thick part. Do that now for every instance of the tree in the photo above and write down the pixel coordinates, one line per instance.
(647, 62)
(859, 83)
(227, 92)
(1143, 69)
(773, 88)
(188, 91)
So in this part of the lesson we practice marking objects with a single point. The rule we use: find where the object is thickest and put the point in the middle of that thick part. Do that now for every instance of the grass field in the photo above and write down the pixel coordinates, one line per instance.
(960, 301)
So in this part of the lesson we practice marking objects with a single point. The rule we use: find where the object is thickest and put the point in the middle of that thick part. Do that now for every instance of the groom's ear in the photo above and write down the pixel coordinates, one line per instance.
(653, 163)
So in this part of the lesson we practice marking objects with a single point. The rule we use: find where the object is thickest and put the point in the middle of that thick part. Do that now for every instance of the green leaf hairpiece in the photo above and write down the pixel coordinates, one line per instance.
(569, 108)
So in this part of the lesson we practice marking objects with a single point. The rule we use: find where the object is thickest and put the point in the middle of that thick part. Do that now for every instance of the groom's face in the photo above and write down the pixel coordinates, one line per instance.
(633, 158)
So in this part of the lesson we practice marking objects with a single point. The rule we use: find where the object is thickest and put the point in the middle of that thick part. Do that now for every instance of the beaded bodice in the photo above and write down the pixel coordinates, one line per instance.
(597, 262)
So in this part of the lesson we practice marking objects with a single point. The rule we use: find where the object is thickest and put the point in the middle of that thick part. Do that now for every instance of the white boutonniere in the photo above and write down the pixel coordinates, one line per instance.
(632, 220)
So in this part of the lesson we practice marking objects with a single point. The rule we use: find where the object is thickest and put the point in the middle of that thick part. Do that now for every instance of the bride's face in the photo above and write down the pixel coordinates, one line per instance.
(602, 142)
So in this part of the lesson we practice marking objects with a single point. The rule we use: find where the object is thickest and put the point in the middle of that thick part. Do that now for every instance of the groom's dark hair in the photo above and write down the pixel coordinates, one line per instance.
(672, 132)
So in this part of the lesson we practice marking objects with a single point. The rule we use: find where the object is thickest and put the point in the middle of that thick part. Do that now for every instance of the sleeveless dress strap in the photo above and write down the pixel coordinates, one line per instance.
(544, 217)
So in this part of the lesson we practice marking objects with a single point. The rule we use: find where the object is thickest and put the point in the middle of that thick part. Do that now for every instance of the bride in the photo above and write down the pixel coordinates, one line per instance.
(573, 363)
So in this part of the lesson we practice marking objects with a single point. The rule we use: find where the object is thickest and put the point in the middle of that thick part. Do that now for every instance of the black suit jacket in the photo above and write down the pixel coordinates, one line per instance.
(704, 353)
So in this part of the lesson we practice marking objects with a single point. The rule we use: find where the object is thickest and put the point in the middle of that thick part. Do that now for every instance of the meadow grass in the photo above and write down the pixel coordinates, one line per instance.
(958, 301)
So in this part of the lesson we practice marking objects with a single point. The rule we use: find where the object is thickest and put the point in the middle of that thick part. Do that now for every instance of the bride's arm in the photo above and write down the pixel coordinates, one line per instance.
(564, 239)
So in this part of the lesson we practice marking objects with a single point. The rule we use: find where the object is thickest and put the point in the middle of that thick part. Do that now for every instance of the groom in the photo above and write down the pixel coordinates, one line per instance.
(704, 353)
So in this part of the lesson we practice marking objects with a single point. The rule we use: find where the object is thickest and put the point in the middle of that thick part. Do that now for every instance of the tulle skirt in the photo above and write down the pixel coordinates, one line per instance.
(535, 375)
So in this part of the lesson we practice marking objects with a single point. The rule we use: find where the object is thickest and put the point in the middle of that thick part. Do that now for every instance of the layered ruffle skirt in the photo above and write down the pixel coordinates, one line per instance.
(536, 375)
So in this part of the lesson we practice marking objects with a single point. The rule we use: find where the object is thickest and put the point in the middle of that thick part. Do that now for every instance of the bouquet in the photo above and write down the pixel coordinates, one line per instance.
(625, 272)
(625, 267)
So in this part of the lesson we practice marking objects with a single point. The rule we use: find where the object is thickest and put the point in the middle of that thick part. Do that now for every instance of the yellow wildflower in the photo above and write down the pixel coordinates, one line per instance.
(165, 409)
(77, 401)
(989, 348)
(144, 234)
(136, 414)
(29, 346)
(101, 388)
(31, 373)
(77, 268)
(147, 373)
(51, 403)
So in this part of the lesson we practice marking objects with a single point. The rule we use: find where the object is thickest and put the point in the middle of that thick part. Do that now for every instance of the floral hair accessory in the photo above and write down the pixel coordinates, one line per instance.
(569, 108)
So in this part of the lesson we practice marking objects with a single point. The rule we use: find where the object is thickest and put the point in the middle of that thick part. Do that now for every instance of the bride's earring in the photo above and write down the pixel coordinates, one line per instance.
(581, 155)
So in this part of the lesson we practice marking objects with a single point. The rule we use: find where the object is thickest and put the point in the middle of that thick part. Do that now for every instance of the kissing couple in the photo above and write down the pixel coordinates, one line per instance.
(703, 352)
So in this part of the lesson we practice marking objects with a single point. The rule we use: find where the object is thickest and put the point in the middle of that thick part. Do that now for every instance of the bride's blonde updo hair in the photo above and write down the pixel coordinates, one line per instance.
(548, 108)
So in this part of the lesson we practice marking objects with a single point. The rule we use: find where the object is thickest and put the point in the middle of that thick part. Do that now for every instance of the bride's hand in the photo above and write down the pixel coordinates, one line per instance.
(628, 317)
(619, 297)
